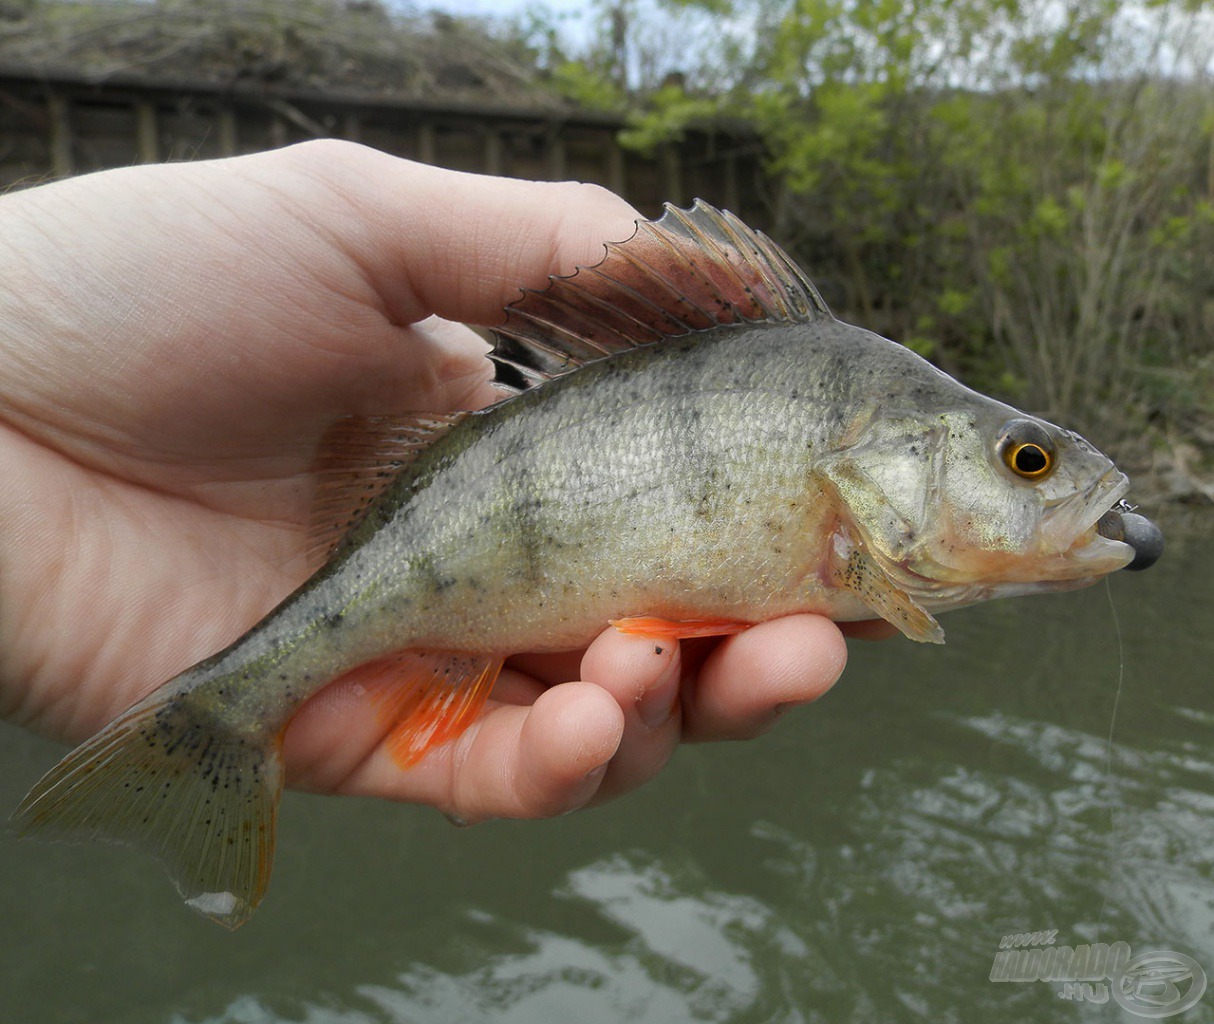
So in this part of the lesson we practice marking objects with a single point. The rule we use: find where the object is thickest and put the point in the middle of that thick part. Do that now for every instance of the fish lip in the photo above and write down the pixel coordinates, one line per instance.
(1067, 519)
(1069, 528)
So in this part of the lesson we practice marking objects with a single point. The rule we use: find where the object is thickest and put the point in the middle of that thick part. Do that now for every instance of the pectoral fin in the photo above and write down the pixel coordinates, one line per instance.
(358, 459)
(855, 570)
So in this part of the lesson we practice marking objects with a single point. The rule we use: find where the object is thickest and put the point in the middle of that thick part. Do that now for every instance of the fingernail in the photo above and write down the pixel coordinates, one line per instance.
(786, 706)
(595, 774)
(656, 704)
(587, 788)
(461, 822)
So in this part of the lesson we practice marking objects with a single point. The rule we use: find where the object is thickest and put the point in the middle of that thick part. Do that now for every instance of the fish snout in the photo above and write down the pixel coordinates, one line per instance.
(1121, 523)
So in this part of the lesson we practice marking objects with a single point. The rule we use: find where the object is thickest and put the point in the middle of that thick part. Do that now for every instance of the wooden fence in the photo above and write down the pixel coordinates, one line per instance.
(52, 126)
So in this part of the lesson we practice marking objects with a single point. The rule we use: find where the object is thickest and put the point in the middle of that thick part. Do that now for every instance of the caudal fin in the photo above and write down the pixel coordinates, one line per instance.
(203, 802)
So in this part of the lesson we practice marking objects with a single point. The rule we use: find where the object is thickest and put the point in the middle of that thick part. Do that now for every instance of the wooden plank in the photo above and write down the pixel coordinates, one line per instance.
(60, 116)
(474, 137)
(279, 136)
(616, 178)
(495, 162)
(554, 156)
(733, 197)
(147, 140)
(672, 174)
(426, 144)
(291, 114)
(227, 129)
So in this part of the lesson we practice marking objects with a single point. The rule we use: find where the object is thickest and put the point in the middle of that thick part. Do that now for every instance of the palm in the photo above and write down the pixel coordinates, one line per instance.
(179, 349)
(166, 456)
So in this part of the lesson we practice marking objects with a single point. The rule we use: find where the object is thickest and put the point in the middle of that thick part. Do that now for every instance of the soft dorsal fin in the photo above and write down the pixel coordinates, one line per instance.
(359, 457)
(691, 270)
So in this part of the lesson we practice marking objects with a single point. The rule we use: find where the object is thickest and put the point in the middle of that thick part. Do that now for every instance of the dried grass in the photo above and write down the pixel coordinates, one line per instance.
(354, 46)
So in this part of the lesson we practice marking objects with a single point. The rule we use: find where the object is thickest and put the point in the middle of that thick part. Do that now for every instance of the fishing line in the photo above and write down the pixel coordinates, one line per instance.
(1110, 780)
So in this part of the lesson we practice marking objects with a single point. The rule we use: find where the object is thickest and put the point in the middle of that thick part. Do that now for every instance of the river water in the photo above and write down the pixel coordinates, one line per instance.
(859, 864)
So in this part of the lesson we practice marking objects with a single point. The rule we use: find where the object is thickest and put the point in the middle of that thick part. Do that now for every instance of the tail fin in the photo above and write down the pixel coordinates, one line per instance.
(163, 779)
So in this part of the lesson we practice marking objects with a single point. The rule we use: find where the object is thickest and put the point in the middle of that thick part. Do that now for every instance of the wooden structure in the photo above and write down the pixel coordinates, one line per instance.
(57, 125)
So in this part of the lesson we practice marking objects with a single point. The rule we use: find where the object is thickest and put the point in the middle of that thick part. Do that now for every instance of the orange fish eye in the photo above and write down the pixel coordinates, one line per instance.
(1026, 449)
(1030, 461)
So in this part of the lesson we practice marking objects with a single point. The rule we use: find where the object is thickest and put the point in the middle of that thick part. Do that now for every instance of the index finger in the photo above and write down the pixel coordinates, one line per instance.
(459, 245)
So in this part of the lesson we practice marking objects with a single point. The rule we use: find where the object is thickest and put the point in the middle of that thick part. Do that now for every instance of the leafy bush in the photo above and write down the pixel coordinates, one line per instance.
(1021, 190)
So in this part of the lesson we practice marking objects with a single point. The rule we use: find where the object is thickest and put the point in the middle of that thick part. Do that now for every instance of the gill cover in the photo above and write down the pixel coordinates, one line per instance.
(886, 484)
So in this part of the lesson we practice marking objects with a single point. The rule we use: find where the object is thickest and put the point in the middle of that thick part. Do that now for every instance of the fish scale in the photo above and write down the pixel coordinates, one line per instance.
(690, 444)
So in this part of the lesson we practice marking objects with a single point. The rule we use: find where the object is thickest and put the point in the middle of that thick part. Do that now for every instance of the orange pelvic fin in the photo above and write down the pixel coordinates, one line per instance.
(655, 628)
(428, 697)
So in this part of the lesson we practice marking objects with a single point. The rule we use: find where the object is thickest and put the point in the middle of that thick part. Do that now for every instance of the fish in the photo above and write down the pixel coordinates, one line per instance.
(688, 442)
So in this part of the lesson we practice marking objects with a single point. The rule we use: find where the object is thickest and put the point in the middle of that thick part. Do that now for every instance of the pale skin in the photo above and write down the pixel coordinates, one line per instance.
(175, 340)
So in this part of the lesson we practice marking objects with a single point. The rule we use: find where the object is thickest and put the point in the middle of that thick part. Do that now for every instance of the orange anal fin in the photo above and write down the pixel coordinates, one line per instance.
(426, 698)
(655, 628)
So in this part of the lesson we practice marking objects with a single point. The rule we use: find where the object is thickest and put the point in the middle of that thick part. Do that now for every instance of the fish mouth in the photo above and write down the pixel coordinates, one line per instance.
(1083, 538)
(1070, 527)
(1120, 523)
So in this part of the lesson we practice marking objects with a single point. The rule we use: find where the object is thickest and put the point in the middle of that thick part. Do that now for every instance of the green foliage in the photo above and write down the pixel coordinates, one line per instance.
(1021, 190)
(587, 87)
(664, 118)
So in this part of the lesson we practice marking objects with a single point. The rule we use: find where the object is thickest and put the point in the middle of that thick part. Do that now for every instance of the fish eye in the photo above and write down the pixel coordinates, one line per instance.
(1026, 449)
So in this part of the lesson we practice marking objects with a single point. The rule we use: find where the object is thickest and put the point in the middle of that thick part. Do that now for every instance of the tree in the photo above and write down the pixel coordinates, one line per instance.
(1020, 189)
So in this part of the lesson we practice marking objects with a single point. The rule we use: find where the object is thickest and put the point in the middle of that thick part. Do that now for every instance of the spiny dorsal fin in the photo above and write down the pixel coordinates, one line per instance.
(689, 271)
(359, 458)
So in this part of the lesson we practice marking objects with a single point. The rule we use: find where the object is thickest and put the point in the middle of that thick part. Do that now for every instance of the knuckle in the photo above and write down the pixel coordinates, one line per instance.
(322, 153)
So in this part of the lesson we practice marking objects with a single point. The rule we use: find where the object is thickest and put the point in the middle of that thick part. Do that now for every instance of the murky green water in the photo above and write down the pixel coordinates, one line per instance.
(859, 864)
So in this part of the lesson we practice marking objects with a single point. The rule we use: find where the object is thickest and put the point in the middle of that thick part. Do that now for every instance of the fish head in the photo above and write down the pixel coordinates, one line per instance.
(1020, 501)
(979, 502)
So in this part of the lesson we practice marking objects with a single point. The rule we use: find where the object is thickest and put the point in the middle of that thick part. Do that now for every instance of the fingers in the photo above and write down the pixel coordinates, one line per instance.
(733, 691)
(643, 677)
(459, 245)
(580, 742)
(748, 680)
(517, 761)
(736, 691)
(540, 761)
(868, 629)
(343, 255)
(542, 751)
(449, 368)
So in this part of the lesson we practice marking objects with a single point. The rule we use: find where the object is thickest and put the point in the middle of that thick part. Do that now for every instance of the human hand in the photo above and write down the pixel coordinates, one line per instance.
(177, 340)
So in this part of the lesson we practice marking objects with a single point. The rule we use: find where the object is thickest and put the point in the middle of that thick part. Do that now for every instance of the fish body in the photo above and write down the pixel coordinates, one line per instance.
(696, 445)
